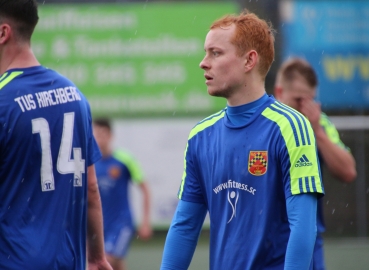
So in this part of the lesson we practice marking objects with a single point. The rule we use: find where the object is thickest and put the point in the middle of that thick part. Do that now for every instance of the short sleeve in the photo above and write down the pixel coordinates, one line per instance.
(297, 151)
(300, 164)
(131, 164)
(94, 153)
(331, 131)
(190, 189)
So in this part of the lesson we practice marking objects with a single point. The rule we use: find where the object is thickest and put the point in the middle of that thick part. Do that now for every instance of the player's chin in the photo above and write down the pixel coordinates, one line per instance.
(216, 92)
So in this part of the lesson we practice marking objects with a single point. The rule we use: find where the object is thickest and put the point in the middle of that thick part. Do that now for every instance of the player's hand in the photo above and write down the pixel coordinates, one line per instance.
(312, 111)
(99, 265)
(145, 232)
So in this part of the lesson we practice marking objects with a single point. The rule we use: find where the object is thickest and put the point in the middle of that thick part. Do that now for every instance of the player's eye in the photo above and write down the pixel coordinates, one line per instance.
(215, 53)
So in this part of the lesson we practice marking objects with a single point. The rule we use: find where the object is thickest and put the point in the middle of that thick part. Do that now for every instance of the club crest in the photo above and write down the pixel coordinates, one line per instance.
(114, 172)
(258, 162)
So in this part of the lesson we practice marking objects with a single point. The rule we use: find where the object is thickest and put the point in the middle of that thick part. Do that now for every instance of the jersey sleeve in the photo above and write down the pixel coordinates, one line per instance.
(297, 151)
(300, 161)
(331, 131)
(132, 165)
(93, 149)
(190, 189)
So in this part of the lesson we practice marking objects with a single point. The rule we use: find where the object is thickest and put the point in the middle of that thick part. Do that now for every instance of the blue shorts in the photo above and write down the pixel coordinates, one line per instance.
(118, 241)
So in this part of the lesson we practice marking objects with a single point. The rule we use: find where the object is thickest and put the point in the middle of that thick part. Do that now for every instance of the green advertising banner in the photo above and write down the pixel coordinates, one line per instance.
(132, 59)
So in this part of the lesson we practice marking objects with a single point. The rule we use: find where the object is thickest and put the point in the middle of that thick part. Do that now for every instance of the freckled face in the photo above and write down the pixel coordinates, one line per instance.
(224, 69)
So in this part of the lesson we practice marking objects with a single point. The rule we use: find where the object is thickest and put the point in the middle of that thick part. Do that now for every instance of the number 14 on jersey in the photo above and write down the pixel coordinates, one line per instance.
(65, 165)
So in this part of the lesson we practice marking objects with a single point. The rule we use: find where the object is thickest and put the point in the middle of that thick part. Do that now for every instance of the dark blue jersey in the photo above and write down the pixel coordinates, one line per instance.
(114, 173)
(244, 175)
(46, 145)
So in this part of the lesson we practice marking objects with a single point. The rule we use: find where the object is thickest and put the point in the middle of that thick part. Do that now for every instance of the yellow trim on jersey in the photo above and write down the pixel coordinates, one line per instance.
(207, 122)
(5, 80)
(211, 120)
(303, 157)
(331, 131)
(132, 165)
(299, 121)
(3, 76)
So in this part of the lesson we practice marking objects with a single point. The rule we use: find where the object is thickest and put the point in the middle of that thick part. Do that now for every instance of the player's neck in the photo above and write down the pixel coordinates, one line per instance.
(106, 152)
(246, 95)
(18, 56)
(252, 89)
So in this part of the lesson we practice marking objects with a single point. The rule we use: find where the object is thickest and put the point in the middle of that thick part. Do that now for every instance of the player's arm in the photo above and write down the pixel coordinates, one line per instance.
(338, 159)
(183, 235)
(145, 230)
(136, 173)
(95, 240)
(302, 212)
(303, 186)
(188, 218)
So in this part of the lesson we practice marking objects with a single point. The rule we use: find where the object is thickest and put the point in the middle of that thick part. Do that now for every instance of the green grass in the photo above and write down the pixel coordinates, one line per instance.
(347, 253)
(147, 255)
(340, 253)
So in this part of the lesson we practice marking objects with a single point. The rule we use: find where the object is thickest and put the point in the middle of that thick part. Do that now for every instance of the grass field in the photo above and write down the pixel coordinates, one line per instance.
(340, 253)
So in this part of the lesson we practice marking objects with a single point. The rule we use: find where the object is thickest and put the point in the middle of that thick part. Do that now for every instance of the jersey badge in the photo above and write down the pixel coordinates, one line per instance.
(114, 172)
(258, 162)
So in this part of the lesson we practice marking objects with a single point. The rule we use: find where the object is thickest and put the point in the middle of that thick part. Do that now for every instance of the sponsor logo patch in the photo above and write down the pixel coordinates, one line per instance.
(258, 162)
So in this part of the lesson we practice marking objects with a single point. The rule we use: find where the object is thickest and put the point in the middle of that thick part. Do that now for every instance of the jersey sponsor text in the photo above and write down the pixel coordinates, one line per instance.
(233, 184)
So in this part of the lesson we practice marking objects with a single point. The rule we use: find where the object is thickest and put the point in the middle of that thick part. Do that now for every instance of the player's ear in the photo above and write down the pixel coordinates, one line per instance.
(4, 32)
(251, 59)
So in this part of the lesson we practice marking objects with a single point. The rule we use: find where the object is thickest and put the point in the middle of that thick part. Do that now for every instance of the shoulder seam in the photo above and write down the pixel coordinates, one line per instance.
(296, 120)
(6, 79)
(207, 122)
(211, 116)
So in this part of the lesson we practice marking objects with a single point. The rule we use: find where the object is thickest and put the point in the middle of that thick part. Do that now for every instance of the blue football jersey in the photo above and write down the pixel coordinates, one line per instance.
(46, 145)
(114, 173)
(244, 175)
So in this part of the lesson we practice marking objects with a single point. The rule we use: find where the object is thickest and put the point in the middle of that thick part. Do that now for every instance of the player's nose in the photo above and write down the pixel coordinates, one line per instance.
(204, 64)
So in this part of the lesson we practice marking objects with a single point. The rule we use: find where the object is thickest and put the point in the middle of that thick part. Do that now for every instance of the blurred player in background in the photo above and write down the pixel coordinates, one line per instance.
(243, 164)
(296, 86)
(48, 187)
(114, 172)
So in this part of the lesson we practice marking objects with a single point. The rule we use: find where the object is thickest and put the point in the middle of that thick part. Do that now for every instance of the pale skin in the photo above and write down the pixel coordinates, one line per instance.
(104, 138)
(14, 53)
(227, 74)
(17, 53)
(300, 96)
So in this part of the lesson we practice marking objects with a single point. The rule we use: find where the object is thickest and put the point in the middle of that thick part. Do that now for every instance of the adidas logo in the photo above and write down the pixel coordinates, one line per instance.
(303, 161)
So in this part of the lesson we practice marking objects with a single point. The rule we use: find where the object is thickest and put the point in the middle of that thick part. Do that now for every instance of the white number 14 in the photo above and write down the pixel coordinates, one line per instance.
(65, 164)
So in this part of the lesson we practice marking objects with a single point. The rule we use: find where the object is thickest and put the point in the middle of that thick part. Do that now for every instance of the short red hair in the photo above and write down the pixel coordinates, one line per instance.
(252, 33)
